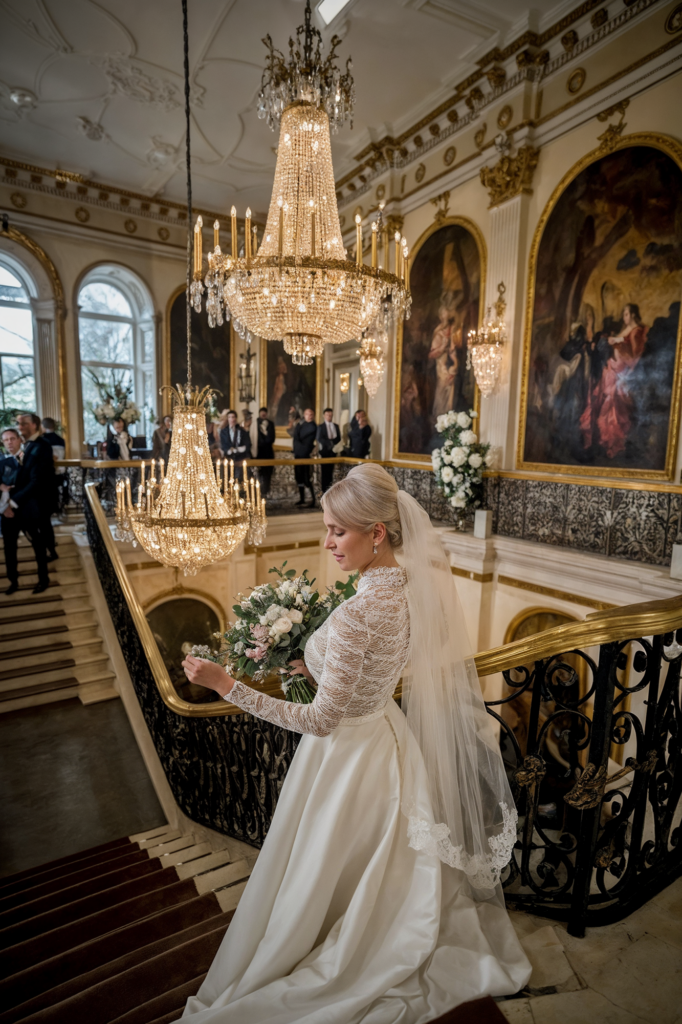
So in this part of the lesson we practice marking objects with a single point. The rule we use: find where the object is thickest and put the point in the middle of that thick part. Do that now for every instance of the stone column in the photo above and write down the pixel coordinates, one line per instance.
(47, 359)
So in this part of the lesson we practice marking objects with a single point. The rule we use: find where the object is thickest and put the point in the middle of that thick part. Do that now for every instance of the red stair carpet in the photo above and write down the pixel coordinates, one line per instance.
(120, 934)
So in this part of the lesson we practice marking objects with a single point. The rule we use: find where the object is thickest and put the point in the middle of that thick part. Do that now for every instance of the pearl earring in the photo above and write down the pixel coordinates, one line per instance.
(374, 550)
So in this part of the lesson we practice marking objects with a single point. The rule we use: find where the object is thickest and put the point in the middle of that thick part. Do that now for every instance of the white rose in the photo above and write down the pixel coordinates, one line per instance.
(467, 437)
(458, 457)
(299, 600)
(448, 444)
(282, 625)
(294, 615)
(435, 458)
(441, 424)
(457, 502)
(447, 474)
(489, 459)
(447, 459)
(463, 420)
(475, 460)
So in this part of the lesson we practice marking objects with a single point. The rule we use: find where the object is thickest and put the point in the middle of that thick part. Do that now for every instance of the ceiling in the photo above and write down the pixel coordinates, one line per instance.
(96, 87)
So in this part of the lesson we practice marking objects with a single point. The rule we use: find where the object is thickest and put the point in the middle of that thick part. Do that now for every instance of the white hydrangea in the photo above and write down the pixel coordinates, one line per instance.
(457, 502)
(447, 474)
(468, 437)
(463, 420)
(489, 459)
(458, 457)
(441, 424)
(447, 459)
(475, 461)
(274, 612)
(452, 418)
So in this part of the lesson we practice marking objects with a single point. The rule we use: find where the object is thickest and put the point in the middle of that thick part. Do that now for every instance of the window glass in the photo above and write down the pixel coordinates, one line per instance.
(11, 288)
(94, 430)
(16, 331)
(99, 297)
(106, 341)
(18, 383)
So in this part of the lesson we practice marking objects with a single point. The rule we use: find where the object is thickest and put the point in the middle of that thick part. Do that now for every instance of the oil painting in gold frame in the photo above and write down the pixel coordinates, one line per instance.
(284, 386)
(447, 281)
(211, 351)
(600, 392)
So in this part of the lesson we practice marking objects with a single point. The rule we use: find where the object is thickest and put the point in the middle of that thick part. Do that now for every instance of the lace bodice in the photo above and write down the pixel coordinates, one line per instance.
(356, 659)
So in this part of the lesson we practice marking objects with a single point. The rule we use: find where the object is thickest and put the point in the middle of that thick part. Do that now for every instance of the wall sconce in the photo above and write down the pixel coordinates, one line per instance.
(344, 383)
(484, 349)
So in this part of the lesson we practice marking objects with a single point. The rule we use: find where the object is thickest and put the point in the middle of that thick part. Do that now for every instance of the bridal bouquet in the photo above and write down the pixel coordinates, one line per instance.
(114, 402)
(459, 463)
(273, 625)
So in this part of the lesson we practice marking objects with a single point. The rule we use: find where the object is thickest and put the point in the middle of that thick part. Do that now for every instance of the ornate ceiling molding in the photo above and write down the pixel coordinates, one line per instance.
(511, 175)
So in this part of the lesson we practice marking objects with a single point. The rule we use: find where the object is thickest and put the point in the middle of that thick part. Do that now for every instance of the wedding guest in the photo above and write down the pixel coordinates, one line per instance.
(9, 467)
(294, 418)
(328, 436)
(359, 436)
(305, 433)
(161, 439)
(58, 452)
(235, 443)
(266, 439)
(119, 443)
(32, 496)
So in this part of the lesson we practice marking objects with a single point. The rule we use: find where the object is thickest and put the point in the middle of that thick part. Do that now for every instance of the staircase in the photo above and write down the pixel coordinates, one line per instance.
(50, 647)
(124, 932)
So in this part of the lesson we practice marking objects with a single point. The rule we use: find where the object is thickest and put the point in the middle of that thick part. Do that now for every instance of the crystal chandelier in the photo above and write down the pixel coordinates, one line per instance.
(190, 515)
(299, 286)
(372, 354)
(485, 347)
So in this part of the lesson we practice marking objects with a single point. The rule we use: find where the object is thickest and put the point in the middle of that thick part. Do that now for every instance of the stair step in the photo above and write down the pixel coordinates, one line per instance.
(24, 597)
(59, 629)
(183, 843)
(226, 875)
(22, 653)
(228, 899)
(91, 670)
(139, 836)
(147, 844)
(40, 657)
(185, 856)
(19, 692)
(190, 869)
(28, 634)
(70, 611)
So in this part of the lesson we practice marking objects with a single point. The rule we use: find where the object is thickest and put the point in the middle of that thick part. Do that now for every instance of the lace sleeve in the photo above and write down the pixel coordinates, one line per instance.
(347, 640)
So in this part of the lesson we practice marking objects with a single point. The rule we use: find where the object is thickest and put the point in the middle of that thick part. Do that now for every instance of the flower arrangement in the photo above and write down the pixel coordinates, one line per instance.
(115, 402)
(459, 463)
(273, 626)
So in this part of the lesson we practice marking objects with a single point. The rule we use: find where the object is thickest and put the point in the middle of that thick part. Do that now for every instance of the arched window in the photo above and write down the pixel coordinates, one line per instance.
(116, 338)
(18, 388)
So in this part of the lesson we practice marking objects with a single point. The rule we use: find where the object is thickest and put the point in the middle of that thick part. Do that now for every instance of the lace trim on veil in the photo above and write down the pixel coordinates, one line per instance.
(484, 870)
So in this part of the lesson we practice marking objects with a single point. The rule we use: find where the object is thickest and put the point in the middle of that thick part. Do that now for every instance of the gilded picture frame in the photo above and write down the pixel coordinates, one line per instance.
(312, 378)
(173, 367)
(477, 236)
(525, 438)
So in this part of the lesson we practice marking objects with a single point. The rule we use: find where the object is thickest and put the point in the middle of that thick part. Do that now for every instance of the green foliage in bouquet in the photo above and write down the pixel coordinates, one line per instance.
(273, 626)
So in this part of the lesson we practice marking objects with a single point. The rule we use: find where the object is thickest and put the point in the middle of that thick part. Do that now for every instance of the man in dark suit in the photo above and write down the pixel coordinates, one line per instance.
(266, 439)
(9, 467)
(328, 436)
(58, 445)
(359, 436)
(235, 443)
(305, 433)
(32, 495)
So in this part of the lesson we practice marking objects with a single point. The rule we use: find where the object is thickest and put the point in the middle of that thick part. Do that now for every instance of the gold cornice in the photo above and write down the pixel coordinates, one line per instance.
(564, 478)
(511, 175)
(102, 231)
(48, 266)
(477, 235)
(672, 148)
(630, 622)
(468, 574)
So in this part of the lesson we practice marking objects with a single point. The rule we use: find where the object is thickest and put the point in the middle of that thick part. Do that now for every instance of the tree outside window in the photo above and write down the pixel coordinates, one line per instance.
(17, 358)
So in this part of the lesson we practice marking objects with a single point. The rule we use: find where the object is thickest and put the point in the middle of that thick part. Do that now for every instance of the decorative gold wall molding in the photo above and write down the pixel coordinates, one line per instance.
(467, 574)
(442, 204)
(560, 595)
(511, 175)
(609, 138)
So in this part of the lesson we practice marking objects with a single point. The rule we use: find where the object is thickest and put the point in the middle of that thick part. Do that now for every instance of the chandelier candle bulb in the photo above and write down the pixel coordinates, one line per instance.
(198, 244)
(358, 239)
(397, 254)
(247, 234)
(254, 244)
(374, 245)
(313, 251)
(280, 228)
(233, 231)
(216, 234)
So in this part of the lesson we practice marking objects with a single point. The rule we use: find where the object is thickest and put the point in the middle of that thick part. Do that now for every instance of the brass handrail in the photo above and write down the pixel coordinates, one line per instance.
(627, 623)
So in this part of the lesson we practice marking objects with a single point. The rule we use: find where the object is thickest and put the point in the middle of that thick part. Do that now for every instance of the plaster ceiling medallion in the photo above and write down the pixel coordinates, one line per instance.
(132, 82)
(23, 100)
(161, 153)
(92, 131)
(299, 285)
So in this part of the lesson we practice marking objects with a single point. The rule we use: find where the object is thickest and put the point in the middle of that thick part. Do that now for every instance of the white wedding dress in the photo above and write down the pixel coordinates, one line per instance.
(342, 921)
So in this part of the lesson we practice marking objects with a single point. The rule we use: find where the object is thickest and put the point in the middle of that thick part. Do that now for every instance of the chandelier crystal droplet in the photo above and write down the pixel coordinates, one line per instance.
(485, 350)
(299, 286)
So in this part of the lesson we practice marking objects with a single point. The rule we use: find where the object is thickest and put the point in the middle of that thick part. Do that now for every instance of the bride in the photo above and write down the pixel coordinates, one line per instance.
(376, 897)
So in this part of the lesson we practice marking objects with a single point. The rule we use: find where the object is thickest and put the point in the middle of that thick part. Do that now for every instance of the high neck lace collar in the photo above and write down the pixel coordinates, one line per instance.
(382, 574)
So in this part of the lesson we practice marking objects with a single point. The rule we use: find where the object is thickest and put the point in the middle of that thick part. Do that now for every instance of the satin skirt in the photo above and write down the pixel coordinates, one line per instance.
(341, 922)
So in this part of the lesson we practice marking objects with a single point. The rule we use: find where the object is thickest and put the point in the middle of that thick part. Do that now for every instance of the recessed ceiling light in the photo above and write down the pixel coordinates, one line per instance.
(329, 9)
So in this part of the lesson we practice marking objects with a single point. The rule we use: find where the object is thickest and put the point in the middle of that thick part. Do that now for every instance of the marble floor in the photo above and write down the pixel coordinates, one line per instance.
(71, 777)
(625, 973)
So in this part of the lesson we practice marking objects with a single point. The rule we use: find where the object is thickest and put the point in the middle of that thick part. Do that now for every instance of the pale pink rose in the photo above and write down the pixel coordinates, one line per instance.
(260, 632)
(256, 653)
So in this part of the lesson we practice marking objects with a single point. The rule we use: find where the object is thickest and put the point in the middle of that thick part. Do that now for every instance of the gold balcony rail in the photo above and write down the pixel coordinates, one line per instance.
(630, 622)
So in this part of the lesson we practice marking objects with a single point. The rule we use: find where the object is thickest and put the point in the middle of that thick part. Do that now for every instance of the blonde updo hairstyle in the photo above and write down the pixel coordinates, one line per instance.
(366, 496)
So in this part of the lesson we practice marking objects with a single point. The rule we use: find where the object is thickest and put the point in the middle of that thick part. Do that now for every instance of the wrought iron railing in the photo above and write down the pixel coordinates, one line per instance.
(590, 725)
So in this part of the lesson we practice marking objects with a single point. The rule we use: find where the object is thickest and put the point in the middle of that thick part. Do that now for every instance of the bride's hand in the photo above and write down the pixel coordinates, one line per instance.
(298, 668)
(209, 674)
